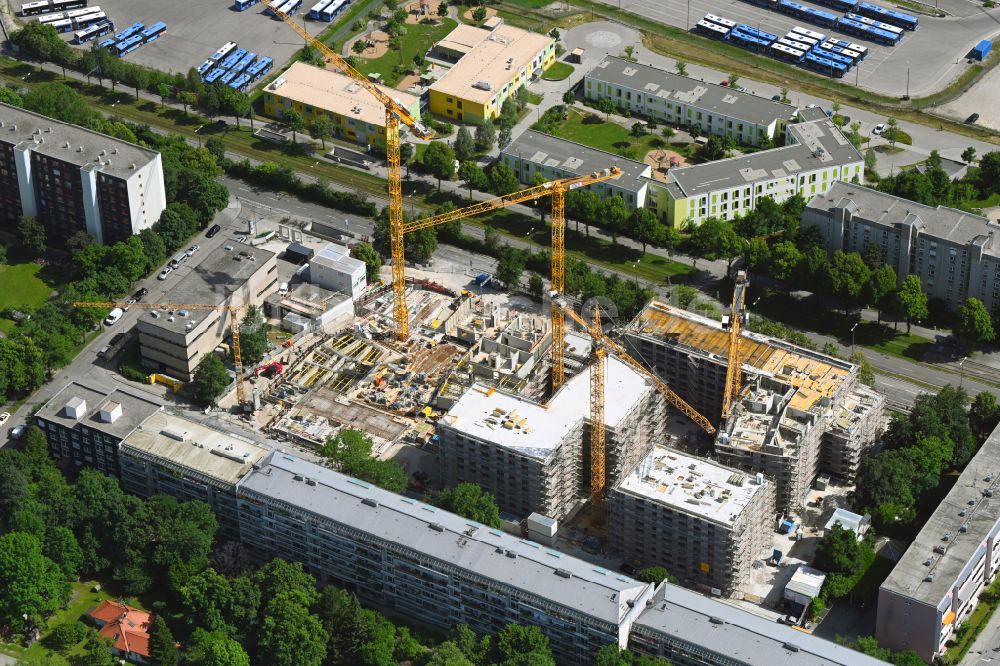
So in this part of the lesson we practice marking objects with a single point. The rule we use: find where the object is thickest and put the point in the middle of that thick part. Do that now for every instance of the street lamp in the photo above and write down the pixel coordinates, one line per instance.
(852, 336)
(961, 378)
(198, 132)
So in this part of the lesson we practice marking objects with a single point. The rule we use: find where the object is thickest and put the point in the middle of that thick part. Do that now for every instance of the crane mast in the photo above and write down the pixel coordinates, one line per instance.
(734, 374)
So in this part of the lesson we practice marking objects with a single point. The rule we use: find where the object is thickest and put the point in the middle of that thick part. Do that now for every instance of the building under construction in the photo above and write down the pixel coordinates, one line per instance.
(535, 457)
(705, 523)
(800, 412)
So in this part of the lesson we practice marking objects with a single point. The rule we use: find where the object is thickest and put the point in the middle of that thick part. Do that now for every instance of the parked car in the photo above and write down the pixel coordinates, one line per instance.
(776, 98)
(3, 418)
(103, 351)
(113, 317)
(212, 230)
(191, 250)
(971, 120)
(138, 295)
(17, 432)
(880, 129)
(164, 273)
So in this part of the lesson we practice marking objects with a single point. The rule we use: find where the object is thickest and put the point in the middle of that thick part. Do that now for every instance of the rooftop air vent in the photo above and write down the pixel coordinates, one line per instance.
(929, 578)
(297, 477)
(562, 573)
(791, 647)
(437, 527)
(80, 149)
(114, 151)
(512, 554)
(310, 482)
(369, 502)
(716, 620)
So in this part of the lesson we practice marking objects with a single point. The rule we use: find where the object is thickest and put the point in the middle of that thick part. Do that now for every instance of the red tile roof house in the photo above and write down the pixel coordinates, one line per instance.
(127, 627)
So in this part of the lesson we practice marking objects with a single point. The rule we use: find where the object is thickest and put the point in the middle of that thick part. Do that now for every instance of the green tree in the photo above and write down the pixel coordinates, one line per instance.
(510, 267)
(654, 575)
(486, 135)
(880, 286)
(465, 145)
(359, 46)
(289, 634)
(681, 67)
(351, 452)
(606, 106)
(569, 98)
(506, 136)
(162, 646)
(60, 546)
(206, 599)
(984, 414)
(503, 180)
(442, 9)
(871, 160)
(163, 90)
(848, 276)
(892, 134)
(470, 501)
(420, 245)
(866, 372)
(969, 155)
(508, 113)
(210, 380)
(322, 129)
(187, 99)
(253, 336)
(206, 648)
(648, 228)
(716, 239)
(10, 96)
(37, 41)
(615, 216)
(294, 121)
(526, 645)
(31, 235)
(473, 175)
(785, 260)
(843, 558)
(67, 635)
(30, 584)
(97, 652)
(448, 654)
(535, 285)
(139, 78)
(373, 260)
(974, 322)
(734, 80)
(911, 301)
(439, 160)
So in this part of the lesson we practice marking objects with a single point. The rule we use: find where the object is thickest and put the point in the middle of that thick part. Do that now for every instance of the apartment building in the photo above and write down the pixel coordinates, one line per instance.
(172, 455)
(84, 425)
(955, 254)
(690, 629)
(935, 586)
(815, 156)
(73, 179)
(705, 523)
(490, 66)
(687, 101)
(176, 340)
(815, 398)
(534, 458)
(428, 565)
(539, 154)
(314, 92)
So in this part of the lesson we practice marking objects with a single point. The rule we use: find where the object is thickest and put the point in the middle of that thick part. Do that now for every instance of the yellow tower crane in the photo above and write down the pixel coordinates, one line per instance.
(395, 113)
(557, 189)
(734, 374)
(603, 344)
(234, 326)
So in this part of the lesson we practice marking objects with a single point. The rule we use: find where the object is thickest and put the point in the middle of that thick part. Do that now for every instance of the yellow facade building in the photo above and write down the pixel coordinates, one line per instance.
(490, 66)
(313, 92)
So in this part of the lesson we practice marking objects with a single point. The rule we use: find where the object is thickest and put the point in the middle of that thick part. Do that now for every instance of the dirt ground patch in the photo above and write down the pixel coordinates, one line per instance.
(490, 13)
(407, 81)
(417, 11)
(662, 160)
(378, 44)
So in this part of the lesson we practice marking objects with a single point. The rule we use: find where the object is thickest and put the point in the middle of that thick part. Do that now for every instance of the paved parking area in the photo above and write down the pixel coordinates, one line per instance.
(196, 28)
(934, 55)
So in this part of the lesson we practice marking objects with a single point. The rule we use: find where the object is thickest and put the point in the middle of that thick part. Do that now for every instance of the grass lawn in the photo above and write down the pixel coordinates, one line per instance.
(911, 347)
(992, 200)
(21, 287)
(559, 71)
(607, 136)
(82, 600)
(534, 98)
(417, 40)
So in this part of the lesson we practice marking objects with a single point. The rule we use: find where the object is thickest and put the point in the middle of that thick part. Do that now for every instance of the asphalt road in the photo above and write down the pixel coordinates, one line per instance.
(935, 52)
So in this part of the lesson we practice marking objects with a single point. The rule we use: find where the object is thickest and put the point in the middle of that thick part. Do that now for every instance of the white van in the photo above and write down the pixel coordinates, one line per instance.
(113, 317)
(178, 259)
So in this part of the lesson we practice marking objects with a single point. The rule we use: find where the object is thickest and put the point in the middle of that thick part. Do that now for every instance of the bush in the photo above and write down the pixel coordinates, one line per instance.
(65, 636)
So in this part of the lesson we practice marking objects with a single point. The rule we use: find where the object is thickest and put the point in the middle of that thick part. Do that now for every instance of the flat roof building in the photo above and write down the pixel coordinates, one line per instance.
(73, 179)
(427, 564)
(173, 455)
(815, 156)
(686, 101)
(85, 424)
(335, 269)
(955, 254)
(176, 340)
(313, 92)
(553, 158)
(531, 456)
(705, 523)
(491, 66)
(935, 586)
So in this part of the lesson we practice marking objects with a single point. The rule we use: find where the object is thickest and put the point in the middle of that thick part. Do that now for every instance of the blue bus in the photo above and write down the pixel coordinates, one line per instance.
(153, 32)
(133, 29)
(333, 10)
(259, 69)
(289, 7)
(245, 62)
(891, 16)
(204, 67)
(93, 32)
(767, 4)
(852, 27)
(712, 29)
(122, 49)
(839, 5)
(223, 51)
(316, 12)
(825, 65)
(241, 82)
(827, 47)
(228, 76)
(107, 43)
(233, 58)
(800, 42)
(751, 38)
(215, 75)
(875, 24)
(243, 5)
(785, 52)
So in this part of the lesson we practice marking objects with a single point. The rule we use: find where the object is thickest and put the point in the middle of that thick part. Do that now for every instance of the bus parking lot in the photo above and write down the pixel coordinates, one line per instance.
(934, 55)
(196, 29)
